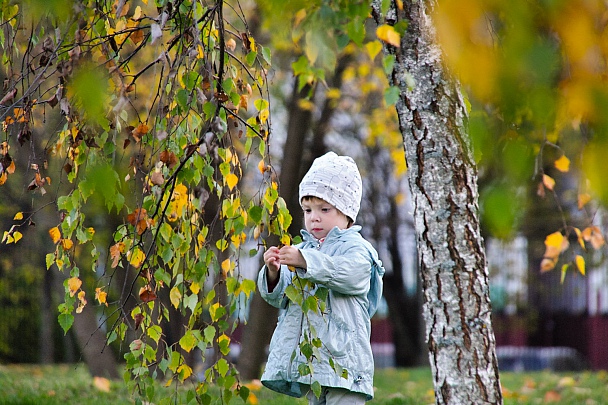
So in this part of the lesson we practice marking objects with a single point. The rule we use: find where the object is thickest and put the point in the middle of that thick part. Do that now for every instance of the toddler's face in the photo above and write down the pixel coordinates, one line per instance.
(320, 217)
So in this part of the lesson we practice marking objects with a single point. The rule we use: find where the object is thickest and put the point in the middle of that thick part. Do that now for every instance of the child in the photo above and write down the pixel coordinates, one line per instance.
(334, 256)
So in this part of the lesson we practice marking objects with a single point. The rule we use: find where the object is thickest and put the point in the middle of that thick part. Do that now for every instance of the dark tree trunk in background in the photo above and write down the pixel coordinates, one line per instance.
(443, 180)
(92, 342)
(295, 162)
(47, 320)
(404, 310)
(263, 317)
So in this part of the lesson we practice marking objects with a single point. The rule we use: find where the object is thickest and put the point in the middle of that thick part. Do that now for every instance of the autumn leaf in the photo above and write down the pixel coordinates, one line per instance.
(168, 158)
(547, 265)
(583, 199)
(138, 320)
(116, 251)
(101, 296)
(82, 302)
(74, 284)
(175, 296)
(226, 265)
(136, 257)
(55, 234)
(389, 35)
(139, 219)
(231, 180)
(373, 48)
(262, 166)
(562, 164)
(101, 383)
(549, 182)
(141, 130)
(580, 264)
(67, 244)
(18, 216)
(146, 294)
(555, 243)
(593, 235)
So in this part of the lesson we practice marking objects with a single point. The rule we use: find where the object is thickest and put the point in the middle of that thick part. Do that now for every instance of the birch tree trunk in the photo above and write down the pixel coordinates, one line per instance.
(443, 181)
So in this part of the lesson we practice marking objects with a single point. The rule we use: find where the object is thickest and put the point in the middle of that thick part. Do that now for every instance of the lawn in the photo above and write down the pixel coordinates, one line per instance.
(72, 384)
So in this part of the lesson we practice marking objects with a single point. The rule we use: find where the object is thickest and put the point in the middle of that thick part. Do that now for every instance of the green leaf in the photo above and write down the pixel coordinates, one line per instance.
(209, 333)
(255, 214)
(222, 367)
(155, 332)
(266, 53)
(391, 95)
(188, 341)
(316, 388)
(294, 295)
(244, 393)
(50, 259)
(66, 321)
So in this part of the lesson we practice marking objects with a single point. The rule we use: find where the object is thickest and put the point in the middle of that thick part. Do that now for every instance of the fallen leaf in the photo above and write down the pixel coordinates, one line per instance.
(101, 383)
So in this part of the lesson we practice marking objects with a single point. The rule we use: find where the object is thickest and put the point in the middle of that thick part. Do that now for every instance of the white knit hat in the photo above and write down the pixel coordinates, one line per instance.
(336, 180)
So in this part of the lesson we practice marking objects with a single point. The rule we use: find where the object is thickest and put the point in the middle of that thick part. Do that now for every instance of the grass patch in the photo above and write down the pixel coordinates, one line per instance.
(72, 384)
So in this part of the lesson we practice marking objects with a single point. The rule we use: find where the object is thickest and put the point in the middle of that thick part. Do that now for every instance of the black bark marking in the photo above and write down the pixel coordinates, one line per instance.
(459, 267)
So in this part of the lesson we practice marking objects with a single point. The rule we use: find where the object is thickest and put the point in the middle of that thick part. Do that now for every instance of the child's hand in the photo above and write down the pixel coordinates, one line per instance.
(271, 258)
(292, 257)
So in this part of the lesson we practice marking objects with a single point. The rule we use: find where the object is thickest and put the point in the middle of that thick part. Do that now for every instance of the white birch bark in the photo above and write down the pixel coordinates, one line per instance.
(443, 181)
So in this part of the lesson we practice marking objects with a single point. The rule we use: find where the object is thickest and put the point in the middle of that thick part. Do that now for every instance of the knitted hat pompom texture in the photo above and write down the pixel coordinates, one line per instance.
(335, 179)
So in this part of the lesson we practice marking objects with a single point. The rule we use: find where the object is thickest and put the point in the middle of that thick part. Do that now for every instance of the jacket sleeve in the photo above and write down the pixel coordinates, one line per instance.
(346, 273)
(275, 298)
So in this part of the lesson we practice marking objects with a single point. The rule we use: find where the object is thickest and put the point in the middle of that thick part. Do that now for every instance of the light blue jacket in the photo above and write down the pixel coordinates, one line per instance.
(348, 266)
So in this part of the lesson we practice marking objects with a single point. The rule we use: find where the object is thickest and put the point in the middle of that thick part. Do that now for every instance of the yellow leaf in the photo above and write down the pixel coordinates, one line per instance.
(285, 240)
(175, 296)
(137, 14)
(74, 284)
(583, 199)
(555, 240)
(333, 93)
(548, 182)
(67, 244)
(226, 266)
(261, 166)
(264, 114)
(388, 34)
(17, 236)
(195, 287)
(18, 216)
(231, 180)
(55, 234)
(101, 296)
(102, 384)
(184, 371)
(373, 48)
(562, 164)
(580, 264)
(579, 236)
(136, 257)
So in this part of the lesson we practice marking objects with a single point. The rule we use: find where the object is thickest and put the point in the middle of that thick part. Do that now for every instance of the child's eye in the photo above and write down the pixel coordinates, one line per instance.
(307, 210)
(325, 209)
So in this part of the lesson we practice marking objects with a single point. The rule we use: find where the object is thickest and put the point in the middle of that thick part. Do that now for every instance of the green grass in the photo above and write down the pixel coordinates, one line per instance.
(72, 384)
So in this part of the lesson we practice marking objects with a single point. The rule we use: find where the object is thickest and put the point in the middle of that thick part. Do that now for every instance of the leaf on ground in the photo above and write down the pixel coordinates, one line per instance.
(101, 383)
